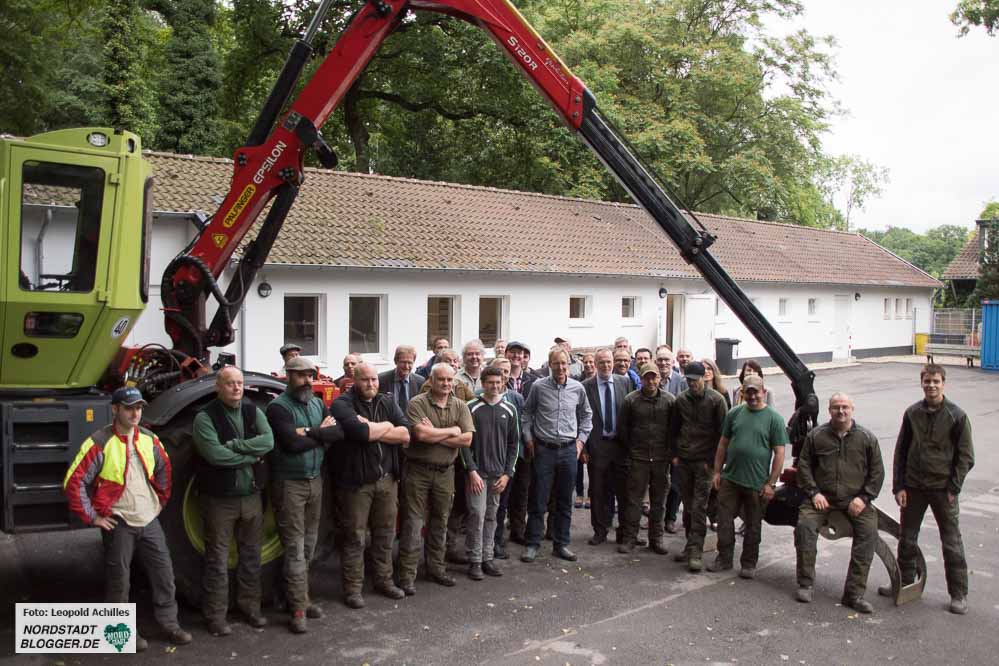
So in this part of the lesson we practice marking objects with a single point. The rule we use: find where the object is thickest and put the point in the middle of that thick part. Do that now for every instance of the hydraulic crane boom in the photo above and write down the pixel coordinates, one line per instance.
(270, 167)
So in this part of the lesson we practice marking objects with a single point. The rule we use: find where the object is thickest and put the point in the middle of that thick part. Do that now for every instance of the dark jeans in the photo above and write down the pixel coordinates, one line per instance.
(580, 489)
(374, 505)
(149, 543)
(224, 517)
(946, 515)
(519, 499)
(545, 465)
(673, 496)
(459, 510)
(734, 499)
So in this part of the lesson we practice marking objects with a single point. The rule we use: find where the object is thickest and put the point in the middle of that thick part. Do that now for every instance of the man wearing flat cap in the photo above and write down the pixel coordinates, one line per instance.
(643, 431)
(119, 481)
(301, 436)
(748, 463)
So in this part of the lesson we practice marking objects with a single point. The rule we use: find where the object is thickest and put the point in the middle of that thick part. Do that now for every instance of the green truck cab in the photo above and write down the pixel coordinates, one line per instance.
(75, 213)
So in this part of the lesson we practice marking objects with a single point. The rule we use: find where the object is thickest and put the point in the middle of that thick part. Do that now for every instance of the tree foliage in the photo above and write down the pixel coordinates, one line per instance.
(976, 13)
(988, 265)
(729, 113)
(932, 251)
(990, 212)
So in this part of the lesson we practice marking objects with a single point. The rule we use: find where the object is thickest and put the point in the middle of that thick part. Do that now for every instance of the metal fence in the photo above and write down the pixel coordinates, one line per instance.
(957, 326)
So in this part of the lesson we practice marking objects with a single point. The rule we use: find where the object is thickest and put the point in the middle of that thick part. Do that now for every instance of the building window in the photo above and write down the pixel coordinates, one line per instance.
(813, 307)
(898, 308)
(490, 319)
(629, 307)
(365, 324)
(908, 308)
(887, 310)
(784, 307)
(578, 307)
(301, 323)
(440, 319)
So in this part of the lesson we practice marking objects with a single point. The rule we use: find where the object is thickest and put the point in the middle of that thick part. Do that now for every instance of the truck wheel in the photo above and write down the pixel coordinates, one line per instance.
(181, 518)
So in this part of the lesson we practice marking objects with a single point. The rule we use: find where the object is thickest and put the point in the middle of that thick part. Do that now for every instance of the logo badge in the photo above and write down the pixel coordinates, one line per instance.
(119, 328)
(220, 240)
(117, 635)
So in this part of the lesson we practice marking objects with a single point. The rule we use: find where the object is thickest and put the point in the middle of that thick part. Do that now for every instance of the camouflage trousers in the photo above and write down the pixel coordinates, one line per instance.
(946, 515)
(865, 536)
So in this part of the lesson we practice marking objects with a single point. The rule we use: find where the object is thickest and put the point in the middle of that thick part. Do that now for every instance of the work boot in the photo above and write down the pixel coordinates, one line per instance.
(530, 554)
(563, 553)
(804, 595)
(490, 569)
(720, 565)
(886, 591)
(314, 612)
(959, 605)
(747, 572)
(597, 538)
(255, 619)
(457, 558)
(641, 542)
(859, 604)
(298, 625)
(354, 600)
(179, 637)
(219, 628)
(441, 579)
(695, 564)
(671, 526)
(475, 571)
(657, 546)
(408, 587)
(390, 590)
(141, 644)
(626, 548)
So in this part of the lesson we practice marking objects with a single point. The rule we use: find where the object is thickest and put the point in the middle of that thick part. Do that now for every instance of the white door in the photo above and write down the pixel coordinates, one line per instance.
(842, 312)
(699, 325)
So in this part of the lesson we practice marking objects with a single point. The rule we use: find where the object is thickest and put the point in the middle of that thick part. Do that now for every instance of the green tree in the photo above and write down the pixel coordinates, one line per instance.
(126, 98)
(850, 181)
(189, 81)
(990, 212)
(932, 251)
(976, 13)
(988, 266)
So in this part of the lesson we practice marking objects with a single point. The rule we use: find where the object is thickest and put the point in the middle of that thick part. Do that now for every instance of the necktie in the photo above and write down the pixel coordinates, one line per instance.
(404, 394)
(608, 409)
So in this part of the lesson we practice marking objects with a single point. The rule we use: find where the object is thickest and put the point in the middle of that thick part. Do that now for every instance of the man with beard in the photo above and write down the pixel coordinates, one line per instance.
(301, 435)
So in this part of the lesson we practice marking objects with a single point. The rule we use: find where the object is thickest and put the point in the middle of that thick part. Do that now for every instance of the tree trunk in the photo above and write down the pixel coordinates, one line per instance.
(355, 127)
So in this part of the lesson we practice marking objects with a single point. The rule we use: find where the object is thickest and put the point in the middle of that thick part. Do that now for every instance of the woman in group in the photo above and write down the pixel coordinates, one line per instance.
(713, 378)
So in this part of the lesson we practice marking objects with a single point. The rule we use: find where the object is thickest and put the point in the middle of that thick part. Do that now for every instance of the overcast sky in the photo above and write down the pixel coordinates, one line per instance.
(920, 101)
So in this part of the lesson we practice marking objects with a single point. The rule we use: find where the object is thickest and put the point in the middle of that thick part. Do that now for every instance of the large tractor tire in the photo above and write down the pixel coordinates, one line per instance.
(181, 518)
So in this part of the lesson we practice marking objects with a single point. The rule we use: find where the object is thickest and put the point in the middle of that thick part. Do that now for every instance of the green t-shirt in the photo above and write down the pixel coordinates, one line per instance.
(751, 438)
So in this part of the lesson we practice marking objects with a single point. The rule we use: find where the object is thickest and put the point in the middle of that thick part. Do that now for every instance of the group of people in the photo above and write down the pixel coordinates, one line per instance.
(469, 454)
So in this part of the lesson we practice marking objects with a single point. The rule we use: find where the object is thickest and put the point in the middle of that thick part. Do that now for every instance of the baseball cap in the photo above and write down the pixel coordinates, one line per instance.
(694, 370)
(753, 382)
(513, 344)
(650, 367)
(127, 395)
(289, 347)
(300, 364)
(560, 340)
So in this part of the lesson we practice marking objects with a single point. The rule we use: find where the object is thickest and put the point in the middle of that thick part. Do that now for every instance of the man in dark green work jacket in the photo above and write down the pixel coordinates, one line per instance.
(840, 469)
(933, 454)
(301, 435)
(231, 436)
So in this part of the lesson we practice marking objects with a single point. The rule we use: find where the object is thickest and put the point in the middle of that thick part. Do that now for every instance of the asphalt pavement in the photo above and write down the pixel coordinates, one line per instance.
(609, 608)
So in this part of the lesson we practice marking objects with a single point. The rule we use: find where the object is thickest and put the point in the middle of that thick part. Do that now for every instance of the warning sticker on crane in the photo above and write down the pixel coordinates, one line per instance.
(237, 208)
(220, 240)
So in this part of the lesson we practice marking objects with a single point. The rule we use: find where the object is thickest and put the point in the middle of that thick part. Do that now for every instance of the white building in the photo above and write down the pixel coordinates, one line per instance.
(365, 263)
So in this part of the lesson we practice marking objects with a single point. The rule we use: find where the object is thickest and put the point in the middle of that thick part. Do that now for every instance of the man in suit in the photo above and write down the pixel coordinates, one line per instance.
(401, 383)
(605, 463)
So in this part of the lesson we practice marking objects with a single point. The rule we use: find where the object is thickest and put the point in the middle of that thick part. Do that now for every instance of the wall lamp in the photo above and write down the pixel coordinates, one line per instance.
(662, 292)
(856, 295)
(264, 289)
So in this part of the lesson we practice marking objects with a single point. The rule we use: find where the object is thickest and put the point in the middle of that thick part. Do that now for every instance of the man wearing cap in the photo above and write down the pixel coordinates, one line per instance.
(557, 420)
(288, 352)
(367, 482)
(603, 455)
(401, 383)
(644, 434)
(119, 482)
(442, 424)
(301, 436)
(840, 469)
(748, 463)
(696, 427)
(231, 437)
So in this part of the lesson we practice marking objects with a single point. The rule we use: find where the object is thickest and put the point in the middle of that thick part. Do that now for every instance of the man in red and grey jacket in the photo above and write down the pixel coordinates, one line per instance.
(119, 482)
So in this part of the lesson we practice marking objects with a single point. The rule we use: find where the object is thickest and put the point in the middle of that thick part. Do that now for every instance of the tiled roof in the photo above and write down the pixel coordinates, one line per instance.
(965, 264)
(358, 220)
